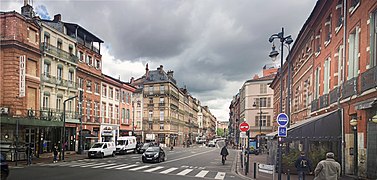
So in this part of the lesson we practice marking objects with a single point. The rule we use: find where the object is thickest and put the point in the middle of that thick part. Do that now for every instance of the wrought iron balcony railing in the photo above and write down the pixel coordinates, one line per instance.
(334, 94)
(48, 48)
(324, 101)
(314, 105)
(47, 114)
(350, 88)
(58, 81)
(369, 79)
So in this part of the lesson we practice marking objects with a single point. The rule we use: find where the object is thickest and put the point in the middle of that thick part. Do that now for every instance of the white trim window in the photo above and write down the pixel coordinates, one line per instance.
(373, 40)
(326, 76)
(317, 82)
(353, 54)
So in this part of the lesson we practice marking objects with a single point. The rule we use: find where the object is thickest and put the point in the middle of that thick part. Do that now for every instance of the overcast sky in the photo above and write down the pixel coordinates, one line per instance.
(213, 46)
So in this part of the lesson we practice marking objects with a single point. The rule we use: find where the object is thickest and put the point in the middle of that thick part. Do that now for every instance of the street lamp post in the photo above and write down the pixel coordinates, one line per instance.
(62, 141)
(273, 54)
(353, 123)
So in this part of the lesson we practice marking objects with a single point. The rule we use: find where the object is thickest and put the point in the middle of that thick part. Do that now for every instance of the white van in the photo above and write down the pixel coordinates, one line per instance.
(126, 144)
(102, 149)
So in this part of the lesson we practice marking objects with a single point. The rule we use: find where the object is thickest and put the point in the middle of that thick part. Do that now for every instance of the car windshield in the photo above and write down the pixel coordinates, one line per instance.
(146, 145)
(153, 149)
(97, 145)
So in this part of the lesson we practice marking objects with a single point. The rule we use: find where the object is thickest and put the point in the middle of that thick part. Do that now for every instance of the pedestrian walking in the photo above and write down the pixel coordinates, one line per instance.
(55, 153)
(303, 166)
(327, 169)
(29, 154)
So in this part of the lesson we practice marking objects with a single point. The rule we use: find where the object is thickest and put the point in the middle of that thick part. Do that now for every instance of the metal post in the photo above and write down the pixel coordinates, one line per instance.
(255, 170)
(281, 96)
(248, 153)
(355, 152)
(133, 118)
(62, 138)
(16, 150)
(260, 118)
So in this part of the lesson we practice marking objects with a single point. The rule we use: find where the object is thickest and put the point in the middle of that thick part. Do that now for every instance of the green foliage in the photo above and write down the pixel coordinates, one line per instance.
(289, 160)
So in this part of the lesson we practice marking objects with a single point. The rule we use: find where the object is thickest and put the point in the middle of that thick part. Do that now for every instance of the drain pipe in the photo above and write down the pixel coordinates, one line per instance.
(342, 81)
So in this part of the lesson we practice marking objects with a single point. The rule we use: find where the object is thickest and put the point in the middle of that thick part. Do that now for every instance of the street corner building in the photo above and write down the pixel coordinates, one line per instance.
(328, 90)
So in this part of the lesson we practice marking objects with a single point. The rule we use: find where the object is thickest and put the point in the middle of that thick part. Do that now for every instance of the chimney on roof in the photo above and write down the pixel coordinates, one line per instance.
(146, 72)
(132, 80)
(170, 73)
(256, 76)
(160, 68)
(27, 10)
(57, 18)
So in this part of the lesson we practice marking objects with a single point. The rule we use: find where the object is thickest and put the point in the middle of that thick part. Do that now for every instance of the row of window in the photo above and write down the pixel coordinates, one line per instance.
(59, 72)
(262, 102)
(162, 115)
(93, 62)
(151, 89)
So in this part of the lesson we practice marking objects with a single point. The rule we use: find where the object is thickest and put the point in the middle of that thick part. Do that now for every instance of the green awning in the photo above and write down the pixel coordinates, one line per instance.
(60, 40)
(59, 95)
(71, 46)
(75, 121)
(47, 61)
(47, 34)
(71, 70)
(46, 93)
(60, 66)
(30, 122)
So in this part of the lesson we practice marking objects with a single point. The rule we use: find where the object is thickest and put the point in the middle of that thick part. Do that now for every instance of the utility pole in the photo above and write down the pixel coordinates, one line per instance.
(62, 139)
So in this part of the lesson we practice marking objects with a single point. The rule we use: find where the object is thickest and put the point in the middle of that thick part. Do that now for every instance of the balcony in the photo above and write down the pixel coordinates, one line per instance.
(334, 95)
(47, 48)
(324, 101)
(58, 81)
(47, 114)
(349, 88)
(161, 104)
(314, 105)
(369, 79)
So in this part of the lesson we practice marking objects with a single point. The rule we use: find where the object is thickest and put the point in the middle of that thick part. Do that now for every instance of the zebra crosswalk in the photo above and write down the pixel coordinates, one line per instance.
(182, 171)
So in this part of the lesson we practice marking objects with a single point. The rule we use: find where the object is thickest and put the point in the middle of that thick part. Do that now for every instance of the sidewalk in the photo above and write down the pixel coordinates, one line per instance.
(46, 158)
(262, 158)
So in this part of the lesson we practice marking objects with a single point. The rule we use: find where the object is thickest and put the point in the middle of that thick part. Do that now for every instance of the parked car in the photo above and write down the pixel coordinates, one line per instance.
(102, 149)
(153, 154)
(146, 146)
(4, 167)
(126, 144)
(212, 143)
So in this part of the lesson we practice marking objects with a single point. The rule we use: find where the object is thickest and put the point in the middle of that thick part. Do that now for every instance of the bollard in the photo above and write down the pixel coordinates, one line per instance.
(255, 170)
(289, 175)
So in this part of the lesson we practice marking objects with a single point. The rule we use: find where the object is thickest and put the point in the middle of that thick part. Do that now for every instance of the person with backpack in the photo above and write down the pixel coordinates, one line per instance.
(303, 166)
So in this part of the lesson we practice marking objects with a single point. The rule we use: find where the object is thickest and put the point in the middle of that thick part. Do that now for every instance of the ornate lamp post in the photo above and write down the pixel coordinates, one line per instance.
(273, 54)
(353, 123)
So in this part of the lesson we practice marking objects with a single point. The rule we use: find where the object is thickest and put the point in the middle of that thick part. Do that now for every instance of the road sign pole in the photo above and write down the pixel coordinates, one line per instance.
(279, 159)
(248, 153)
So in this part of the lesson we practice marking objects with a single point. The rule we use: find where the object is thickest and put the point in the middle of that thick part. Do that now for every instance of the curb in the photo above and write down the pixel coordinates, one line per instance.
(236, 168)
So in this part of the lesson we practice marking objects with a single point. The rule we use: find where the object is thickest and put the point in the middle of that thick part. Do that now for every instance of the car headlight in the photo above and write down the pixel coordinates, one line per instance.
(156, 155)
(143, 154)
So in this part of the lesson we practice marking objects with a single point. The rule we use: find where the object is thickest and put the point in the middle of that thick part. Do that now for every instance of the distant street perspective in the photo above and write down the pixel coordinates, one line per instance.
(195, 89)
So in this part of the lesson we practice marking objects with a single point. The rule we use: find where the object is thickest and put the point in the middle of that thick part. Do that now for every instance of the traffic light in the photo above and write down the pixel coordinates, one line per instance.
(80, 96)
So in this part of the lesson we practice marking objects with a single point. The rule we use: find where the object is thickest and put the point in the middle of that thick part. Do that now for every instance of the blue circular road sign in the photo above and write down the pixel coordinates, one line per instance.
(282, 119)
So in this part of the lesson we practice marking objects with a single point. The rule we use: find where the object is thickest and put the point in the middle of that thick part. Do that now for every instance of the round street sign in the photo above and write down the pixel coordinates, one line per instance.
(244, 127)
(282, 119)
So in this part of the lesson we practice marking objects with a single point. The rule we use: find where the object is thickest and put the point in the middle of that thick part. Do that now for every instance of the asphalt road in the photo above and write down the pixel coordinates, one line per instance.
(181, 163)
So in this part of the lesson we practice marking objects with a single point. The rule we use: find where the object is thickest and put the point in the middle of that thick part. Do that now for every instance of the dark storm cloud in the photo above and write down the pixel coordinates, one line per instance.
(213, 46)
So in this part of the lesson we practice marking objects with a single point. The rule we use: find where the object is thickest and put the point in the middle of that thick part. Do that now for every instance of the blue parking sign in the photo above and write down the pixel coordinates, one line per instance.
(282, 131)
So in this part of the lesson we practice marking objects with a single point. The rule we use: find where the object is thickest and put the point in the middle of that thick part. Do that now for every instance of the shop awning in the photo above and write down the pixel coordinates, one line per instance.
(327, 125)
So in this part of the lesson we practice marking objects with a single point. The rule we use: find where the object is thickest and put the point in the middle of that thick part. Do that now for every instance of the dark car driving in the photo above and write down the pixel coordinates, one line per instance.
(4, 167)
(145, 147)
(153, 154)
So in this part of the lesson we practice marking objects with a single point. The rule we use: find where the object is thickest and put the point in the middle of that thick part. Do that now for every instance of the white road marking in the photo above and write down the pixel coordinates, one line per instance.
(112, 167)
(154, 169)
(178, 159)
(138, 168)
(135, 157)
(184, 172)
(129, 166)
(202, 173)
(220, 175)
(168, 170)
(102, 166)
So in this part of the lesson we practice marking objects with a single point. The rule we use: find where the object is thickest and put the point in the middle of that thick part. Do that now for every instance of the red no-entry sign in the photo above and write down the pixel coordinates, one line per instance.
(244, 127)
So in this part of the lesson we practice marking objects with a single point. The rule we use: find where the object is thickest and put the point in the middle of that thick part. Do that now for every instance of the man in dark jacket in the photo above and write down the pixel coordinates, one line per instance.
(303, 166)
(224, 152)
